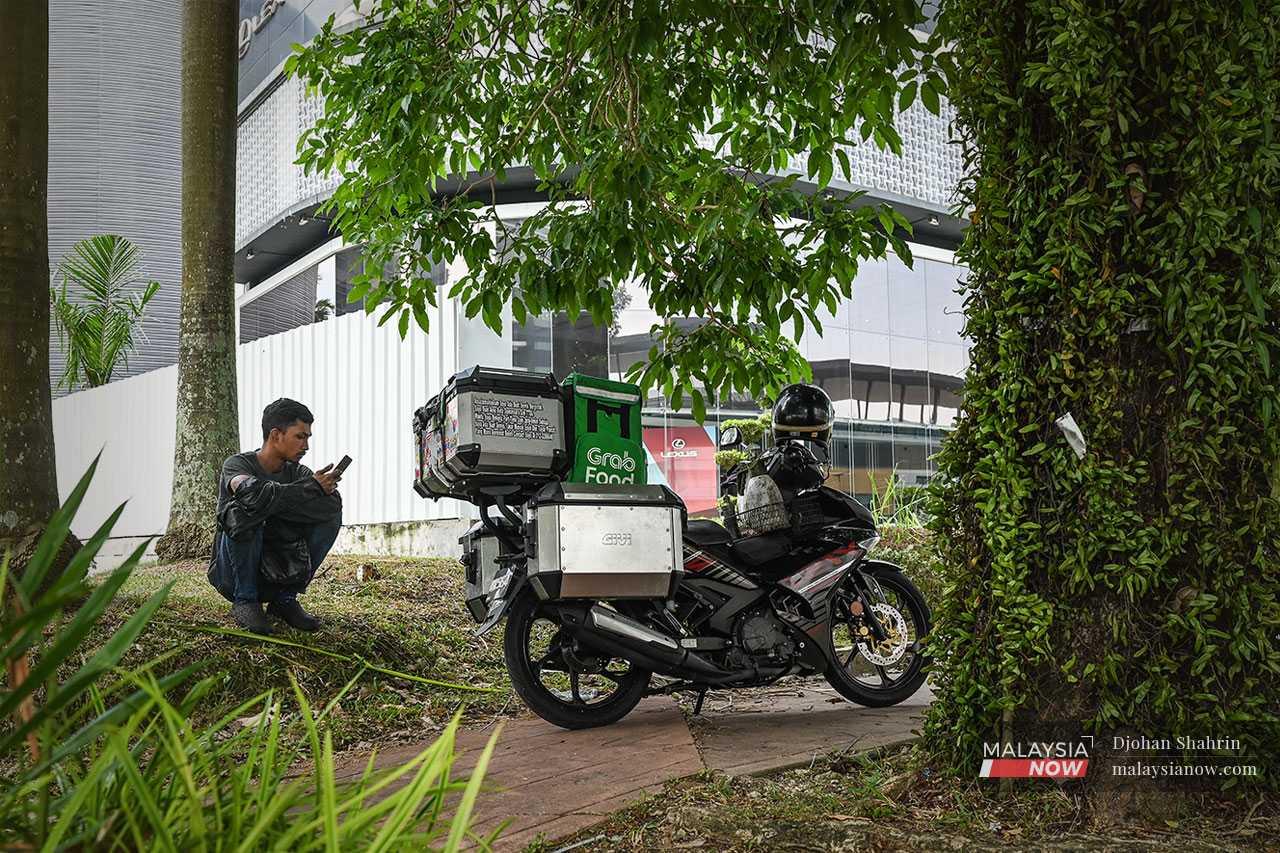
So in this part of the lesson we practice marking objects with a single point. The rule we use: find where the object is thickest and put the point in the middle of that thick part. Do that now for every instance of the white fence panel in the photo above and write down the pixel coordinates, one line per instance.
(362, 383)
(132, 423)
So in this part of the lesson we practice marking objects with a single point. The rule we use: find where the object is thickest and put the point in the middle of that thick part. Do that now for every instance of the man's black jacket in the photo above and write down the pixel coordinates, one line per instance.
(285, 512)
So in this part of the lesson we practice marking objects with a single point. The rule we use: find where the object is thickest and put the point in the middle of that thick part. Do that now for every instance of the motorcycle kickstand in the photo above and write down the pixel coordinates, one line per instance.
(697, 705)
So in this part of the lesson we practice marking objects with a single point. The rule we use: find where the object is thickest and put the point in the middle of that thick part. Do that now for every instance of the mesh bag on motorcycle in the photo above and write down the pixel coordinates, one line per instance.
(759, 511)
(802, 517)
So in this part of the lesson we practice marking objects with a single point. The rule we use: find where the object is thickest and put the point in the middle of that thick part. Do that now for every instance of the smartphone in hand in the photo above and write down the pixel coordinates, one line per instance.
(342, 465)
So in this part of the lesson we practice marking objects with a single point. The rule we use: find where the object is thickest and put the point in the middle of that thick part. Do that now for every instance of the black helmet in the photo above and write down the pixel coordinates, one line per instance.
(803, 411)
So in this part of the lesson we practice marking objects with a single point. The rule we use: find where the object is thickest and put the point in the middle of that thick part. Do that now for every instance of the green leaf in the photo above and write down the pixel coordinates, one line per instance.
(929, 97)
(907, 96)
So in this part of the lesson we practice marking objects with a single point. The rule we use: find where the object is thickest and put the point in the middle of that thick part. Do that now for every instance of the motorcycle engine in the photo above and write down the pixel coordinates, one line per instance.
(759, 632)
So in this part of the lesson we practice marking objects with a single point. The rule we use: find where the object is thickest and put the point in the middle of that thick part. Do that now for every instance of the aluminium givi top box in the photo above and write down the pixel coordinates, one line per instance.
(591, 540)
(490, 427)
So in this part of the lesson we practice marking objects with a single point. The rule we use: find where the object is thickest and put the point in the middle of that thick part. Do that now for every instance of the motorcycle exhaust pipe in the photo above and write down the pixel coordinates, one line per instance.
(619, 635)
(653, 643)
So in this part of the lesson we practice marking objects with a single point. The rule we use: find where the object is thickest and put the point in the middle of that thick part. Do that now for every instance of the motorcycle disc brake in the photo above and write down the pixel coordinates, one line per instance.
(894, 646)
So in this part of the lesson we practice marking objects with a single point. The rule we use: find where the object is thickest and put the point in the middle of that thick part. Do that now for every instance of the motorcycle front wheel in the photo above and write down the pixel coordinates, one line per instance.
(562, 681)
(878, 674)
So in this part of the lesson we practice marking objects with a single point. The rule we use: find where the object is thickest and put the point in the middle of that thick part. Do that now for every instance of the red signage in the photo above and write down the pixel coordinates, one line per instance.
(686, 457)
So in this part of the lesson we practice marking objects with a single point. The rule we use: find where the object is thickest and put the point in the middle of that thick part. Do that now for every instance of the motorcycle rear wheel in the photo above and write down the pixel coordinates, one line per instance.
(558, 679)
(851, 673)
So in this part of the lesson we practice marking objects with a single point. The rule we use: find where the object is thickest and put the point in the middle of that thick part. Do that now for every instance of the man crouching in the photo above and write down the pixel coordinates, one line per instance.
(276, 522)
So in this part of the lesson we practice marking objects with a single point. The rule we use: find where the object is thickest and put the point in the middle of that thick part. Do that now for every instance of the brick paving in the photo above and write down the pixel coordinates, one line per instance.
(548, 782)
(749, 732)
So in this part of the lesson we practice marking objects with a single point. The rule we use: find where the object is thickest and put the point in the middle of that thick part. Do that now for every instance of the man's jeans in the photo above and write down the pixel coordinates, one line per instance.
(238, 563)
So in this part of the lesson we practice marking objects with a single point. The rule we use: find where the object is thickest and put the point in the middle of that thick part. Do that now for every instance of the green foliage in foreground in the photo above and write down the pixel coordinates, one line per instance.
(655, 129)
(1124, 257)
(109, 757)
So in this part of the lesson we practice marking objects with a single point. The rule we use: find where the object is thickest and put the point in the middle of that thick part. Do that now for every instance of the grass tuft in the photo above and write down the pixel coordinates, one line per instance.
(398, 623)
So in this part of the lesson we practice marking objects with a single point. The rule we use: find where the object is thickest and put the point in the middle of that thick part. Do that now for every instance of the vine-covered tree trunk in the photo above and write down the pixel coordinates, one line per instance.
(1124, 168)
(28, 477)
(207, 429)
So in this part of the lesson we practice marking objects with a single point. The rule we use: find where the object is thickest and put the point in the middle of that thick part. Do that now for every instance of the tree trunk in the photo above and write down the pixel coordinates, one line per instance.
(1124, 261)
(208, 424)
(28, 477)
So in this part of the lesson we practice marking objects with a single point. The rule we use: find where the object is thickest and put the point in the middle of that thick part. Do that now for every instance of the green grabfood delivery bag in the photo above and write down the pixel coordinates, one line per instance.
(604, 425)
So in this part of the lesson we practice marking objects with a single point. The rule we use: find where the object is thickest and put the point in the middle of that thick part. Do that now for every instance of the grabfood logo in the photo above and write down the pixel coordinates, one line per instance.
(621, 539)
(606, 467)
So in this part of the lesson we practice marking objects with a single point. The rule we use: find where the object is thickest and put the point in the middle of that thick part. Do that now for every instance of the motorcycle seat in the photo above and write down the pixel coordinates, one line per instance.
(756, 551)
(751, 553)
(703, 532)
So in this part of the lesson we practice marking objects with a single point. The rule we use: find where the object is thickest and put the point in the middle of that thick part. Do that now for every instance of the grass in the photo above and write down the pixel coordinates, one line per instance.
(895, 802)
(406, 615)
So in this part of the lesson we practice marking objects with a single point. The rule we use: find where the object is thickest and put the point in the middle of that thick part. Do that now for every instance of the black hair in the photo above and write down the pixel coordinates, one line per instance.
(282, 414)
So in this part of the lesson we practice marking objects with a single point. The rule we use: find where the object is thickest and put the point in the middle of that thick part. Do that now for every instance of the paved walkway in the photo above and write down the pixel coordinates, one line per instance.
(761, 731)
(551, 782)
(547, 781)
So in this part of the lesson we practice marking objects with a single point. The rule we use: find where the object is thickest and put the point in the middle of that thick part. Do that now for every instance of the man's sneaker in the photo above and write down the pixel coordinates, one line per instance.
(291, 611)
(248, 615)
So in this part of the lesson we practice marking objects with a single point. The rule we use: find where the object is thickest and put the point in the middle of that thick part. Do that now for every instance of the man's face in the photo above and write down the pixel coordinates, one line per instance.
(292, 442)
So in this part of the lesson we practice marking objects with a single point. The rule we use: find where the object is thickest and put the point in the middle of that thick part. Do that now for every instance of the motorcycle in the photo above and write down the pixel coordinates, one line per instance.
(755, 602)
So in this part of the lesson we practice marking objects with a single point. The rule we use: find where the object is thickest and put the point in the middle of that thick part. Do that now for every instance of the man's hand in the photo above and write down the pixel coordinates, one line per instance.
(327, 479)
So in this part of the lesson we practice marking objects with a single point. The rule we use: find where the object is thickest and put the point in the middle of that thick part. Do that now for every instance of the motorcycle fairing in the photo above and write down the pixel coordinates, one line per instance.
(814, 584)
(703, 563)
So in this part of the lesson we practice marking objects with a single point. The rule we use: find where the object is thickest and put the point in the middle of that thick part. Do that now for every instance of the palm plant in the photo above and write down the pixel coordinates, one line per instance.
(97, 321)
(108, 758)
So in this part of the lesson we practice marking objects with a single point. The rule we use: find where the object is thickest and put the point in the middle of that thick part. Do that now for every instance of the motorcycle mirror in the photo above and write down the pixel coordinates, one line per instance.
(730, 438)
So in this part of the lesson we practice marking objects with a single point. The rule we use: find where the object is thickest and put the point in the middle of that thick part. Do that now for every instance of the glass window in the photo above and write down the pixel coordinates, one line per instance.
(872, 462)
(947, 366)
(581, 346)
(831, 345)
(531, 344)
(869, 309)
(842, 468)
(946, 308)
(909, 377)
(347, 264)
(907, 314)
(869, 375)
(911, 456)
